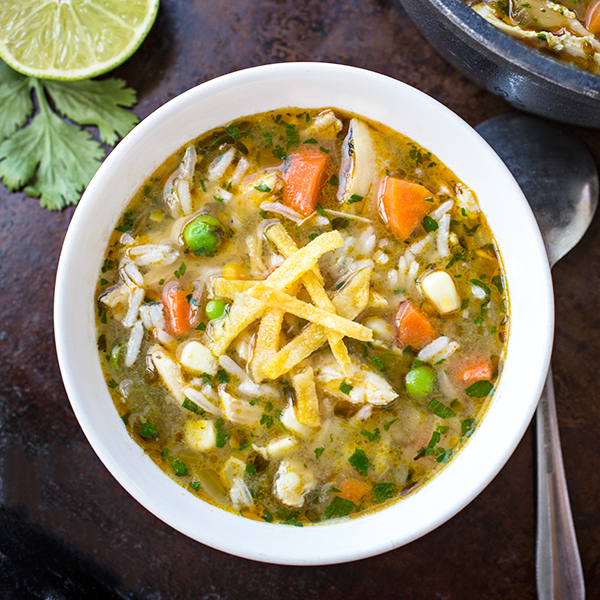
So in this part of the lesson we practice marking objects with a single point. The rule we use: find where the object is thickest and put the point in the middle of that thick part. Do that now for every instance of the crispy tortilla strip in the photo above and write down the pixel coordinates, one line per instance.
(230, 288)
(312, 281)
(245, 309)
(267, 341)
(311, 313)
(349, 302)
(307, 401)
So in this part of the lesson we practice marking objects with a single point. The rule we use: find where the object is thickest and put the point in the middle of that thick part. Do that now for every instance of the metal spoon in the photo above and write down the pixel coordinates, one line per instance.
(559, 178)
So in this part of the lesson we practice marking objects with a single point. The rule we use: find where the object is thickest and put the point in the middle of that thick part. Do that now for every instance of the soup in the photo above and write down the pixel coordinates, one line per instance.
(568, 30)
(302, 316)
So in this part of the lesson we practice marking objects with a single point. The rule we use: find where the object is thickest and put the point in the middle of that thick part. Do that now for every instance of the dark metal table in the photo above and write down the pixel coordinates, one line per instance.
(68, 531)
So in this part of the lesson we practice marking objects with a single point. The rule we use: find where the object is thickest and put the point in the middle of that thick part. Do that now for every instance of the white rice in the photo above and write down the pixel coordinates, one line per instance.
(134, 343)
(283, 210)
(126, 239)
(201, 400)
(135, 301)
(445, 384)
(153, 254)
(477, 292)
(441, 210)
(188, 163)
(145, 316)
(232, 367)
(130, 274)
(219, 165)
(337, 213)
(240, 171)
(240, 494)
(124, 388)
(417, 248)
(442, 236)
(119, 295)
(440, 349)
(182, 189)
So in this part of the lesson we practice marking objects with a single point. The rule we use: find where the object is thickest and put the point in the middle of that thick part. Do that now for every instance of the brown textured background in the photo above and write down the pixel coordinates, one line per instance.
(69, 531)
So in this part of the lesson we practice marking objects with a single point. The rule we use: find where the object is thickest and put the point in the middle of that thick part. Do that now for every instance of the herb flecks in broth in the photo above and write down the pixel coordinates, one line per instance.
(302, 316)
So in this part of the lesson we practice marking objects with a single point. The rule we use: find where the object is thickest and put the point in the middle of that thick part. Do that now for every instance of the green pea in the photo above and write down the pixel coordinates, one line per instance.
(420, 381)
(203, 235)
(215, 309)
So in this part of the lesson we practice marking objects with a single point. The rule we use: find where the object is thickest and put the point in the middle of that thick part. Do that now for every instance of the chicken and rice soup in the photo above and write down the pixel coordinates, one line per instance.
(301, 316)
(569, 30)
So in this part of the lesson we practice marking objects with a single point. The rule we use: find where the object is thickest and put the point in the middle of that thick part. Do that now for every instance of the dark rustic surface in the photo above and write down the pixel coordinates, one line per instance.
(68, 531)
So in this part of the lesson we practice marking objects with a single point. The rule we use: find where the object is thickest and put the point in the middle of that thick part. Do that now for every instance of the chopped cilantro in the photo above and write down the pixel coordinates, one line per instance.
(354, 198)
(218, 199)
(223, 376)
(178, 466)
(310, 141)
(441, 410)
(233, 131)
(148, 430)
(201, 326)
(180, 271)
(360, 461)
(195, 485)
(267, 516)
(379, 364)
(481, 285)
(390, 423)
(345, 388)
(266, 420)
(480, 389)
(429, 224)
(384, 491)
(467, 426)
(191, 406)
(250, 470)
(203, 185)
(279, 152)
(222, 434)
(498, 281)
(321, 211)
(319, 451)
(333, 180)
(372, 436)
(312, 236)
(112, 384)
(263, 187)
(340, 507)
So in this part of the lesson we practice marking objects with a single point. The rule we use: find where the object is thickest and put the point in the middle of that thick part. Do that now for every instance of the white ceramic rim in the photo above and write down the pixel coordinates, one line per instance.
(405, 109)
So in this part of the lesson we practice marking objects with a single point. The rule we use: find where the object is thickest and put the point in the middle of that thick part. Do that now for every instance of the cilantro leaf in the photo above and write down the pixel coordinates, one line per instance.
(16, 104)
(360, 461)
(96, 103)
(339, 507)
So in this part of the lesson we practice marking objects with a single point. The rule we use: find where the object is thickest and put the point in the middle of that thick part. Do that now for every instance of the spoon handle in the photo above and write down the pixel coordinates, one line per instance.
(558, 565)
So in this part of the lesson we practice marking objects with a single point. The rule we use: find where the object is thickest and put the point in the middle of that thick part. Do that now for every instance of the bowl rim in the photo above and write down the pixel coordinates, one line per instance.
(332, 542)
(472, 28)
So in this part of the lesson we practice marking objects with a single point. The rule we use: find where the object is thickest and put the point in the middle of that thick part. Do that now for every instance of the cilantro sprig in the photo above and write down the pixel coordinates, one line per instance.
(47, 156)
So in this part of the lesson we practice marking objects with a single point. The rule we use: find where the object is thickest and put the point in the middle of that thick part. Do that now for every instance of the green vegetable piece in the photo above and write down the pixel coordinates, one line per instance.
(223, 376)
(319, 451)
(178, 466)
(384, 491)
(441, 410)
(222, 434)
(339, 507)
(420, 381)
(195, 485)
(480, 389)
(467, 426)
(191, 406)
(372, 436)
(345, 388)
(215, 309)
(429, 224)
(203, 235)
(360, 461)
(114, 355)
(250, 471)
(148, 430)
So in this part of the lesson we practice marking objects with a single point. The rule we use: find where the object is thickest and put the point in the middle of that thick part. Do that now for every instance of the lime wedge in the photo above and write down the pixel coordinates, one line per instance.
(72, 39)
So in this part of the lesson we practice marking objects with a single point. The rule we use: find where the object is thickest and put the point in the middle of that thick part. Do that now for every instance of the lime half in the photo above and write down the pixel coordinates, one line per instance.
(72, 39)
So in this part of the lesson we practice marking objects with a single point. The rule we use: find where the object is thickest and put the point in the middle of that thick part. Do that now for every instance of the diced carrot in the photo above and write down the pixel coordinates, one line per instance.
(472, 369)
(303, 180)
(181, 315)
(353, 490)
(592, 17)
(402, 205)
(413, 327)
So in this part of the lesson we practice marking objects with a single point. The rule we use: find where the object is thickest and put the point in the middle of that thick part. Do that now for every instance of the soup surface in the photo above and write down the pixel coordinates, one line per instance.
(569, 30)
(302, 316)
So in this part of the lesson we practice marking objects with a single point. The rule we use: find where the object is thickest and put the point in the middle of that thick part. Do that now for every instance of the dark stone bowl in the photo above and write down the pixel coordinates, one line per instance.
(527, 78)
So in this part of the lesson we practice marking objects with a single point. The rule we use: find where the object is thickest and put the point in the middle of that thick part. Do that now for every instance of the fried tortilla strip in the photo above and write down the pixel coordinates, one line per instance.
(230, 288)
(267, 341)
(307, 401)
(311, 313)
(246, 309)
(349, 302)
(313, 283)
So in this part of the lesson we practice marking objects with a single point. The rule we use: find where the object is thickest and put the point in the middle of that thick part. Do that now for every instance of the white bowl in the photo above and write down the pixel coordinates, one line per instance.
(379, 98)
